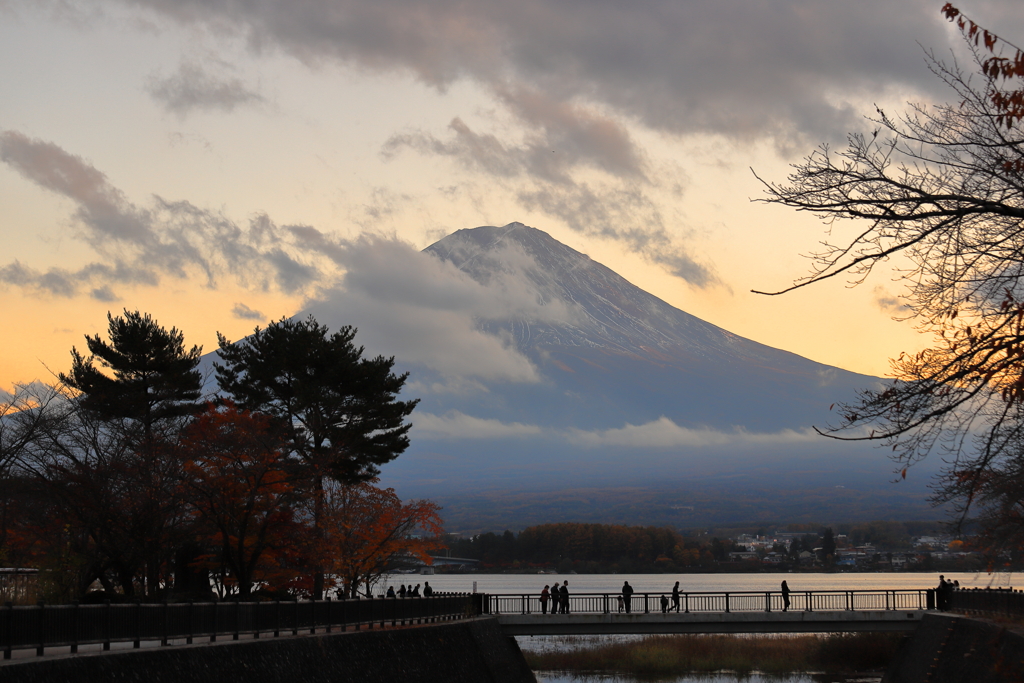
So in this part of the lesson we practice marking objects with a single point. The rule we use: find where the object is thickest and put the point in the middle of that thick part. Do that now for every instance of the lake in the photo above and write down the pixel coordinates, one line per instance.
(697, 583)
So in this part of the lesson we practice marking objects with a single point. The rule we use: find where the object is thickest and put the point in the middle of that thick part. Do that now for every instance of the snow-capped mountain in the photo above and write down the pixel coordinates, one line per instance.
(553, 390)
(616, 352)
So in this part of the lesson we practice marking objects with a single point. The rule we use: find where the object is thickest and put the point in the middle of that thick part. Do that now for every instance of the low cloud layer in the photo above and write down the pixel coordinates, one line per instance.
(660, 434)
(427, 312)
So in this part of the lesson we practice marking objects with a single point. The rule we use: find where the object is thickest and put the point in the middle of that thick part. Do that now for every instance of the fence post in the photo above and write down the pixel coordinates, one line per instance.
(295, 617)
(767, 601)
(106, 624)
(10, 628)
(726, 602)
(686, 602)
(164, 637)
(277, 618)
(605, 598)
(42, 629)
(312, 613)
(328, 613)
(238, 617)
(137, 643)
(191, 622)
(808, 607)
(74, 628)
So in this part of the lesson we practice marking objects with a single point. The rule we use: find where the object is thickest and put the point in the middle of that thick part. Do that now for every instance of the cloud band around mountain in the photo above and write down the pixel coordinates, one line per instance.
(660, 434)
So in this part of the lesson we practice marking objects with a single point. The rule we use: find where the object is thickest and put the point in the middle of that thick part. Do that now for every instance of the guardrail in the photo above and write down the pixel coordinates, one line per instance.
(1001, 601)
(739, 601)
(46, 626)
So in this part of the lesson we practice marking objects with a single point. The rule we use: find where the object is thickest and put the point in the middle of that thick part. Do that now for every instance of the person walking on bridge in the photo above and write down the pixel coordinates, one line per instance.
(544, 600)
(556, 598)
(563, 592)
(675, 597)
(785, 596)
(627, 596)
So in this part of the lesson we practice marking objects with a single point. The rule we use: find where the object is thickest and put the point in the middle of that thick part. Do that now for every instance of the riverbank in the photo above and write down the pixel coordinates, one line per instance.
(684, 654)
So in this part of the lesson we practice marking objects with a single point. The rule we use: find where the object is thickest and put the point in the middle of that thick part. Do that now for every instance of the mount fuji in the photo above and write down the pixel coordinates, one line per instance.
(606, 403)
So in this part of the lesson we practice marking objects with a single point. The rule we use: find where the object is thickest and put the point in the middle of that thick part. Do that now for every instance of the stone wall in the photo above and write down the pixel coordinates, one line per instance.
(469, 651)
(948, 648)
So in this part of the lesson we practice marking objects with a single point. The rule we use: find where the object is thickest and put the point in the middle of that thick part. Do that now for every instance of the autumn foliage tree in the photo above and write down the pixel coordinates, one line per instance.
(369, 529)
(340, 411)
(237, 483)
(941, 188)
(120, 475)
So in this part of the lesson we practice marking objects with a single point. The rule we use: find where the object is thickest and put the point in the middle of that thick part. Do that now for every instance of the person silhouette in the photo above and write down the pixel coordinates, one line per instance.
(627, 596)
(785, 597)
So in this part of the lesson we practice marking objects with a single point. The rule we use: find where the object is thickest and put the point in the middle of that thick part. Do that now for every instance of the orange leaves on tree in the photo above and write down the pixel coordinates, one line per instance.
(236, 474)
(1009, 104)
(368, 529)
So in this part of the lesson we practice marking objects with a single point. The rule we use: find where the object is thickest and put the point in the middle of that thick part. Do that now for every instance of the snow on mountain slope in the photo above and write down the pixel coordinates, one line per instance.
(628, 354)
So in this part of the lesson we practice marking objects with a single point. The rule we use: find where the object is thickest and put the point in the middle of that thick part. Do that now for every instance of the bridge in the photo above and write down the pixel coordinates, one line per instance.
(732, 612)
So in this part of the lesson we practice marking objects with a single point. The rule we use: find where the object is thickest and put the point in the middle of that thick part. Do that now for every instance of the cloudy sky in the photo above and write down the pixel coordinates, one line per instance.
(220, 163)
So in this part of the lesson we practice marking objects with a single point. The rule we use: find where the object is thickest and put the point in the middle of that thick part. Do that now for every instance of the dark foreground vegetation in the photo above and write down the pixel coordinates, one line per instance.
(126, 476)
(682, 654)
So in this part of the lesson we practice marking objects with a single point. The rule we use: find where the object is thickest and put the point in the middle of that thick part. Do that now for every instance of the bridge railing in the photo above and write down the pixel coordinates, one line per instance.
(996, 601)
(46, 626)
(733, 601)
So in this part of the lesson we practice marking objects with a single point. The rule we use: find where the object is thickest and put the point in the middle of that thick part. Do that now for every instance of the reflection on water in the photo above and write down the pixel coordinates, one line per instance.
(566, 677)
(549, 643)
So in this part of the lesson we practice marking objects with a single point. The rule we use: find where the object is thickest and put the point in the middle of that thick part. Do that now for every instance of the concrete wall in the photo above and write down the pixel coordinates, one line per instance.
(951, 649)
(470, 651)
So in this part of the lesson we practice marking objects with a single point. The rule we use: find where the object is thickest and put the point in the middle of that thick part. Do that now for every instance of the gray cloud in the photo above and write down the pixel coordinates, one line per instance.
(543, 179)
(405, 302)
(140, 245)
(742, 69)
(890, 303)
(426, 311)
(574, 75)
(245, 313)
(474, 151)
(624, 213)
(193, 88)
(104, 293)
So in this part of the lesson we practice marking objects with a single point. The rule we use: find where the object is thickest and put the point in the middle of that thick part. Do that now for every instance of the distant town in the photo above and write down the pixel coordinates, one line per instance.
(599, 548)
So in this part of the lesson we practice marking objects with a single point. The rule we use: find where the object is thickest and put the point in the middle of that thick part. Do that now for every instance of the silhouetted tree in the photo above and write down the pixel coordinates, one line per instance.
(107, 450)
(941, 188)
(340, 410)
(144, 374)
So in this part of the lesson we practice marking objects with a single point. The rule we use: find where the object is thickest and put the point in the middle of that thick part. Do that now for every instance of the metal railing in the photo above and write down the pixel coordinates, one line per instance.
(738, 601)
(997, 601)
(46, 626)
